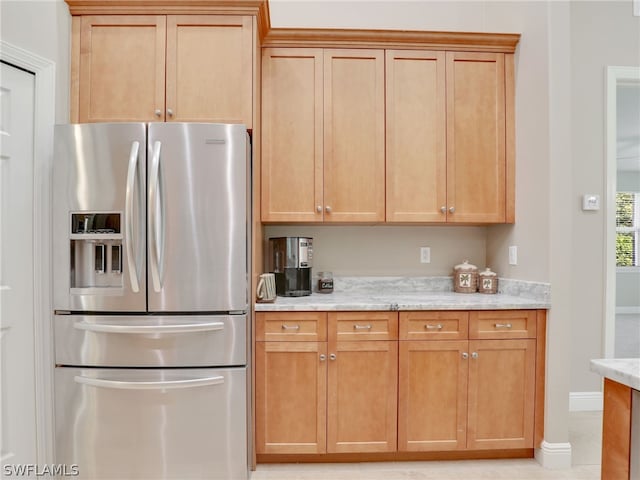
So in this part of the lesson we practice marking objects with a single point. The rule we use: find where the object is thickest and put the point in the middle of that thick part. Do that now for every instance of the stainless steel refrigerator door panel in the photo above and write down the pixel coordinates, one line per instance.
(151, 341)
(197, 217)
(99, 172)
(152, 424)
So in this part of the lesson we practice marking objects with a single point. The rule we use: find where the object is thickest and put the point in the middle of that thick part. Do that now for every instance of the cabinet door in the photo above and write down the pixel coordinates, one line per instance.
(362, 397)
(292, 135)
(501, 394)
(416, 176)
(122, 68)
(354, 164)
(476, 160)
(209, 69)
(291, 387)
(432, 408)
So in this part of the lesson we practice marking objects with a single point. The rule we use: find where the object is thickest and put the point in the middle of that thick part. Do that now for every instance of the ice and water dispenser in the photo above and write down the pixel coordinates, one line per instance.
(96, 250)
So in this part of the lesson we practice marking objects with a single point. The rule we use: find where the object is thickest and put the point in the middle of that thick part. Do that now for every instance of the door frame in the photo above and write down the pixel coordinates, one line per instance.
(614, 76)
(44, 119)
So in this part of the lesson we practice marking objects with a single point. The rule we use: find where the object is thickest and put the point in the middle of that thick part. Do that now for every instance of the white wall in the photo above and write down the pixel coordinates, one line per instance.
(603, 33)
(42, 28)
(389, 250)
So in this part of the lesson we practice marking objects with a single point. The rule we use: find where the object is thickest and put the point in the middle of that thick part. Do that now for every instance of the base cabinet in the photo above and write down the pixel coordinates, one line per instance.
(380, 382)
(476, 394)
(326, 397)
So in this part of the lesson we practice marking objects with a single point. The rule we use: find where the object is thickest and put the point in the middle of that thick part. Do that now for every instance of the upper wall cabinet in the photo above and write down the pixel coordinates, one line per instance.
(446, 135)
(417, 129)
(323, 135)
(163, 68)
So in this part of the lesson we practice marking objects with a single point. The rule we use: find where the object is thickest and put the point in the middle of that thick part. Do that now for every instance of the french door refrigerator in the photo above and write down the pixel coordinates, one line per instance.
(150, 243)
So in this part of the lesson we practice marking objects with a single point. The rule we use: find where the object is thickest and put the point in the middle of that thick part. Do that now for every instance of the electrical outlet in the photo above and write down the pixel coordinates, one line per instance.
(425, 255)
(513, 255)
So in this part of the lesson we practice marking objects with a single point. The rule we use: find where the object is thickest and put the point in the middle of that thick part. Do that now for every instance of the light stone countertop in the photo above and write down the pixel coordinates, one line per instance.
(412, 293)
(622, 370)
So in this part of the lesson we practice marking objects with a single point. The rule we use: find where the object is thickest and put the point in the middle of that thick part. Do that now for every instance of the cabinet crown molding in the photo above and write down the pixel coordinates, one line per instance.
(259, 8)
(405, 39)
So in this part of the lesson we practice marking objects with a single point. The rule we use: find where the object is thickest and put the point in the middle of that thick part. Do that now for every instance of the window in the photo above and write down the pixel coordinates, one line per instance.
(627, 229)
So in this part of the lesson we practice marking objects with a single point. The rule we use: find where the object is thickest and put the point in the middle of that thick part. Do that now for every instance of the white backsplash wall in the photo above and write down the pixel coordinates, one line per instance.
(388, 250)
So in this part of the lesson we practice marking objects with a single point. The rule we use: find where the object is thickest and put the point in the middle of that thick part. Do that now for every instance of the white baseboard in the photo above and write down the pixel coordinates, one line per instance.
(585, 401)
(627, 310)
(554, 456)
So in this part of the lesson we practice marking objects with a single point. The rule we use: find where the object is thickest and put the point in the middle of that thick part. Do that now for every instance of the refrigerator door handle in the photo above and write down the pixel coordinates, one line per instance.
(154, 185)
(174, 328)
(172, 384)
(128, 225)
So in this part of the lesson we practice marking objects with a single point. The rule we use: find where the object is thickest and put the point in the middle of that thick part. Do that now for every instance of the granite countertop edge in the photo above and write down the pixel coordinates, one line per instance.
(414, 293)
(422, 301)
(622, 370)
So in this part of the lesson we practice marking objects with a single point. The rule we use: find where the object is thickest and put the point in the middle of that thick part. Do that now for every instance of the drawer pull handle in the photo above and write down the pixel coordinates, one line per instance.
(362, 327)
(433, 327)
(287, 327)
(503, 325)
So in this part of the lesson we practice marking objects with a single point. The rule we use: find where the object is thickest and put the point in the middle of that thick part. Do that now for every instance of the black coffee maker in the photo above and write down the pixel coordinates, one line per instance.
(290, 259)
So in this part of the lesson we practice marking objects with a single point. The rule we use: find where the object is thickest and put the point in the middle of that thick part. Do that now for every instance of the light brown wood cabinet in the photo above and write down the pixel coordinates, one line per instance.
(415, 381)
(412, 137)
(163, 68)
(323, 135)
(476, 394)
(326, 397)
(447, 135)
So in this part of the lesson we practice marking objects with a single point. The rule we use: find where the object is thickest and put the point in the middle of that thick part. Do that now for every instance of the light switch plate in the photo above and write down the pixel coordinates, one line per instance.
(590, 201)
(425, 255)
(513, 255)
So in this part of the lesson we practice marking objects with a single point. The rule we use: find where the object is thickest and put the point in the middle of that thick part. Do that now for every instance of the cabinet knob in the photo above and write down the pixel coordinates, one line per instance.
(319, 209)
(443, 209)
(169, 112)
(323, 357)
(465, 355)
(158, 112)
(452, 209)
(327, 209)
(474, 355)
(332, 356)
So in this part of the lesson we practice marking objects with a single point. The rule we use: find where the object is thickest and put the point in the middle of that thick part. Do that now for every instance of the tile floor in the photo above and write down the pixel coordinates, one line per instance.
(584, 435)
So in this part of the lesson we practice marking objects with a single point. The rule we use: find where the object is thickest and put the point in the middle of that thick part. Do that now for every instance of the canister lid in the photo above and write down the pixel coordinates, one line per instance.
(465, 266)
(488, 273)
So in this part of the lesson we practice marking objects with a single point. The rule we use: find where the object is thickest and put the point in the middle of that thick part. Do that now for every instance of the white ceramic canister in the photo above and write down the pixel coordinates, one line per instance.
(488, 281)
(465, 278)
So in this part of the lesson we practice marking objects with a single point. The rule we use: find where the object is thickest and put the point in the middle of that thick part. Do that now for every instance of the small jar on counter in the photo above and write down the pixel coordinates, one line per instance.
(325, 282)
(465, 278)
(488, 282)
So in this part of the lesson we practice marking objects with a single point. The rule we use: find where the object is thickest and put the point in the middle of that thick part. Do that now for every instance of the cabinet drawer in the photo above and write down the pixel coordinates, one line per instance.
(291, 326)
(363, 326)
(426, 325)
(502, 324)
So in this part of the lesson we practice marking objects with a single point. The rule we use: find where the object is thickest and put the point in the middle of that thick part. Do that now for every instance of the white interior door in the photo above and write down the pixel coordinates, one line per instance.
(17, 354)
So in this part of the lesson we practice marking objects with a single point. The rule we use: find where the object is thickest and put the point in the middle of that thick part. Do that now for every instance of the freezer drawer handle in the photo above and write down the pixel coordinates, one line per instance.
(128, 224)
(176, 328)
(187, 383)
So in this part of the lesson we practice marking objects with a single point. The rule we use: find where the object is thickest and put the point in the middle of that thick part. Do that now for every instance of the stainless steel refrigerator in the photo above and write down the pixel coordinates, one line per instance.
(150, 244)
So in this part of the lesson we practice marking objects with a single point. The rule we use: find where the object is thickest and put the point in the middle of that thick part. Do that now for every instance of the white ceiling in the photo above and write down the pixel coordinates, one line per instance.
(628, 127)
